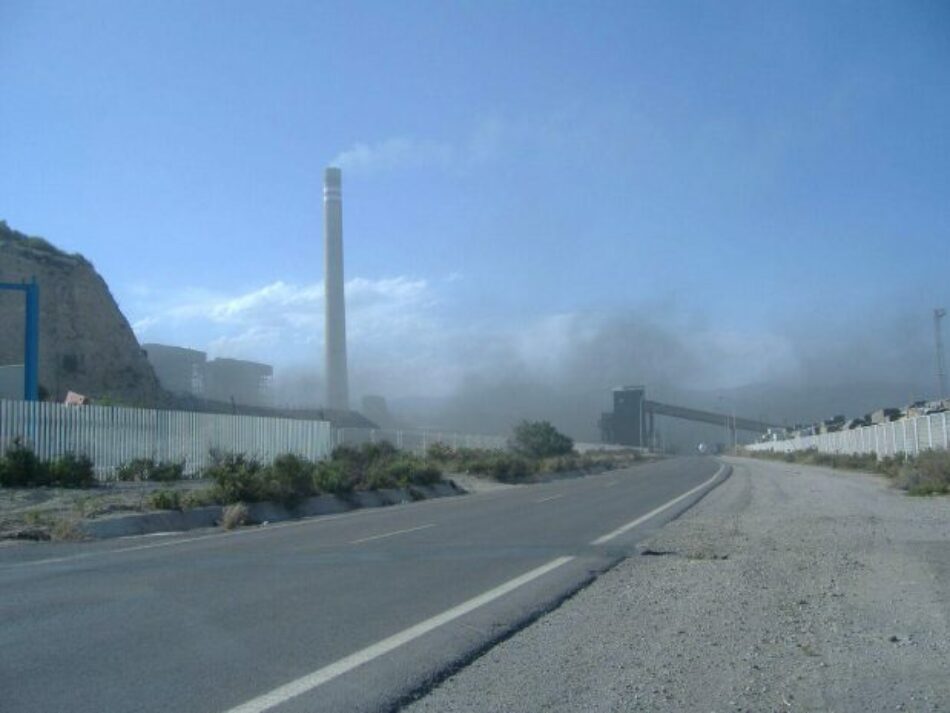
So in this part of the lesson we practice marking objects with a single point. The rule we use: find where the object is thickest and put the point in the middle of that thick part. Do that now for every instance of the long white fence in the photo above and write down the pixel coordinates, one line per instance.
(416, 441)
(111, 436)
(908, 436)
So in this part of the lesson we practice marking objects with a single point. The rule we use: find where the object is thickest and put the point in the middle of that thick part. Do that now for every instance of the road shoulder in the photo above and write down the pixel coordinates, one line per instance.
(786, 588)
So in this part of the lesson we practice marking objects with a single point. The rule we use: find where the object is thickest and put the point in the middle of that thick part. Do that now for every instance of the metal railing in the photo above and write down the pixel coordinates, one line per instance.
(907, 436)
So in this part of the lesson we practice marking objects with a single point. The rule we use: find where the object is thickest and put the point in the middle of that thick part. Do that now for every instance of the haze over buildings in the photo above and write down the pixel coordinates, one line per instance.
(742, 198)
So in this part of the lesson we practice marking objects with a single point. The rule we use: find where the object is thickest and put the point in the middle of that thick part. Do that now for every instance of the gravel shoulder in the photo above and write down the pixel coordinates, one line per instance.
(788, 588)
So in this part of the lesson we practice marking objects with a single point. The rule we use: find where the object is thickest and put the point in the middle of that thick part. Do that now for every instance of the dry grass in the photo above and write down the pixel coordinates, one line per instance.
(234, 516)
(67, 529)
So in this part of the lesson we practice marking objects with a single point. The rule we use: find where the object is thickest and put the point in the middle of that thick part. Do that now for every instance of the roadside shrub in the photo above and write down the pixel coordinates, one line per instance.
(502, 466)
(927, 474)
(135, 469)
(67, 529)
(141, 469)
(167, 472)
(234, 516)
(197, 498)
(72, 471)
(425, 474)
(891, 465)
(21, 467)
(236, 478)
(560, 464)
(165, 500)
(289, 479)
(331, 477)
(401, 472)
(539, 439)
(441, 452)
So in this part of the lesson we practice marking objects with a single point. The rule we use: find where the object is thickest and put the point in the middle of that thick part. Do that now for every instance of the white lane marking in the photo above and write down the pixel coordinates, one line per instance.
(391, 534)
(307, 683)
(656, 511)
(328, 673)
(553, 497)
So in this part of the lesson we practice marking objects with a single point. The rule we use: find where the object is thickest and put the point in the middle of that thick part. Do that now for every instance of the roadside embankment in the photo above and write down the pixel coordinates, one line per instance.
(787, 588)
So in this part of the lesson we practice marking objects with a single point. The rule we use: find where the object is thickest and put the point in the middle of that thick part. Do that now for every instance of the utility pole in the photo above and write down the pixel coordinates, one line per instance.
(940, 313)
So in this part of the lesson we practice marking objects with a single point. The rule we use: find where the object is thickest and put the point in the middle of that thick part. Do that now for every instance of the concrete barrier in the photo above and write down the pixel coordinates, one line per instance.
(183, 520)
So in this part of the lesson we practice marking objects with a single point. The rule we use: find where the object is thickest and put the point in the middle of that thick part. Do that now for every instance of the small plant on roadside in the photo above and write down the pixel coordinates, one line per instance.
(927, 474)
(197, 498)
(234, 515)
(72, 471)
(236, 478)
(165, 500)
(20, 467)
(331, 477)
(147, 469)
(441, 453)
(289, 479)
(67, 529)
(539, 439)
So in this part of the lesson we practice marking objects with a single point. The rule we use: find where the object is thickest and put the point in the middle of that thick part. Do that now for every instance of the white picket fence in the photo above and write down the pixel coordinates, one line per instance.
(908, 435)
(111, 436)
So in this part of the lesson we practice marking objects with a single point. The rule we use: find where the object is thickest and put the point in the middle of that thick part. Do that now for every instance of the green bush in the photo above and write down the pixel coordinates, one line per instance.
(135, 469)
(927, 474)
(236, 478)
(21, 467)
(502, 466)
(289, 479)
(198, 498)
(165, 500)
(142, 469)
(401, 472)
(441, 452)
(331, 477)
(539, 439)
(72, 471)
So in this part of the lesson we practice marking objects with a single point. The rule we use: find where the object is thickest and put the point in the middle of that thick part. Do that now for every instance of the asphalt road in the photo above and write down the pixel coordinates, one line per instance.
(359, 611)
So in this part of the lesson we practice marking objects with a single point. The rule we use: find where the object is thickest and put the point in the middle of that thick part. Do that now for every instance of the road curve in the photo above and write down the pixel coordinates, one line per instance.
(359, 611)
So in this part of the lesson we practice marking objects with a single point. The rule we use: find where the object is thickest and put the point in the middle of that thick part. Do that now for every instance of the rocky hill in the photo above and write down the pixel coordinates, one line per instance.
(86, 344)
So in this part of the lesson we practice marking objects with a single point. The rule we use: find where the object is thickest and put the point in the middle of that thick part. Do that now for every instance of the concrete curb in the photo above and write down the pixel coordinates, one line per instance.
(180, 521)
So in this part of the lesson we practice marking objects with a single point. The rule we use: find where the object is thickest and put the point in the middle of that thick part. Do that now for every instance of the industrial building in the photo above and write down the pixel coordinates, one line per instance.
(633, 419)
(179, 370)
(187, 372)
(239, 381)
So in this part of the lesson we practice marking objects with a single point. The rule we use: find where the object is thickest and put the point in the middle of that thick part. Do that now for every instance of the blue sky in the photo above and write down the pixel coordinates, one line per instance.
(514, 172)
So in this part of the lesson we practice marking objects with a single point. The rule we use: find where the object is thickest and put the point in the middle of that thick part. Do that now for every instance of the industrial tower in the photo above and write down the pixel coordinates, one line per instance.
(338, 389)
(940, 313)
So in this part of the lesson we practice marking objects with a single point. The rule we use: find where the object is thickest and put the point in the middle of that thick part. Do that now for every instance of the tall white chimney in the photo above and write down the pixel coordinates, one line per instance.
(338, 389)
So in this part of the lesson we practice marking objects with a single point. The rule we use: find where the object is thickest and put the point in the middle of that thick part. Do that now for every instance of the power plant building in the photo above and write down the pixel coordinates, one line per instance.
(187, 372)
(179, 370)
(626, 424)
